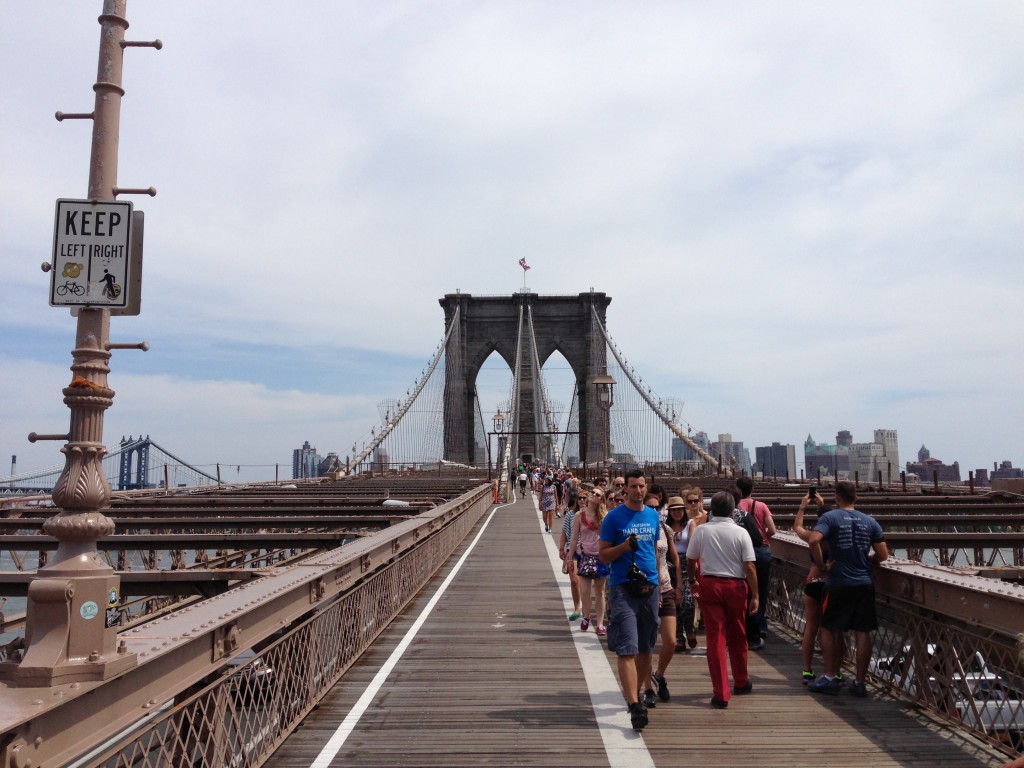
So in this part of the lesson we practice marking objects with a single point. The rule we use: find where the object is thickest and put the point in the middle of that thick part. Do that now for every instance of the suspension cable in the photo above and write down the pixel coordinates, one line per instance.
(656, 406)
(541, 387)
(403, 409)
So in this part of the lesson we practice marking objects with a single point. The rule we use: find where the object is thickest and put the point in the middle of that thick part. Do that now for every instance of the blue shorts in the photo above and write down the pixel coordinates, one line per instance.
(634, 627)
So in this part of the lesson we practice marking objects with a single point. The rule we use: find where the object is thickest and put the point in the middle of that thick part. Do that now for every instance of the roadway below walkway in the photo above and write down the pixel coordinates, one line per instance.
(483, 668)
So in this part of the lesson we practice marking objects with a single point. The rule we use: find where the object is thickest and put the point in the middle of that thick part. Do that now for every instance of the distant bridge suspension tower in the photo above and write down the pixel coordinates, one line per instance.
(439, 419)
(525, 329)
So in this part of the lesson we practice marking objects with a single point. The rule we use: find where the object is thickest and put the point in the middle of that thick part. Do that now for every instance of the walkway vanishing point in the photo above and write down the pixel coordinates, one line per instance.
(483, 668)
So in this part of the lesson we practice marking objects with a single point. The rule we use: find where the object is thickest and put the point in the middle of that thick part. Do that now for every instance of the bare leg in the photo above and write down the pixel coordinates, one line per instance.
(585, 585)
(668, 643)
(812, 620)
(644, 666)
(574, 587)
(628, 676)
(602, 620)
(863, 654)
(830, 646)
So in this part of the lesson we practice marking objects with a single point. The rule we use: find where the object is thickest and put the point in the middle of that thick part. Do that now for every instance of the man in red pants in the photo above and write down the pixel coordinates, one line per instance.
(728, 592)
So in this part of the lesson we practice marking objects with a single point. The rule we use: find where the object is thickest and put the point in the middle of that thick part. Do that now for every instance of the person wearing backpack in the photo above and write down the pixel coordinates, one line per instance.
(761, 516)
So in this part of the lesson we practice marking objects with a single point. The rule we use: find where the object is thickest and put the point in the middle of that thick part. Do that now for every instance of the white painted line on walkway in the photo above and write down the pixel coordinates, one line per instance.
(625, 747)
(337, 741)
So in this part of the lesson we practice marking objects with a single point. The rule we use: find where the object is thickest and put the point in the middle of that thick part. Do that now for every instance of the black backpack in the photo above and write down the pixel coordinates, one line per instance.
(751, 525)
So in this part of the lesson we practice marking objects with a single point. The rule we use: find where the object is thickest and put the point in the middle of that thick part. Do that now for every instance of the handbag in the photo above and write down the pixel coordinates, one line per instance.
(636, 580)
(587, 566)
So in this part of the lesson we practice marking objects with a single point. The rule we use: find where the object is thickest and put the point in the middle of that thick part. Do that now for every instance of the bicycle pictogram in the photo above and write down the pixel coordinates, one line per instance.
(72, 287)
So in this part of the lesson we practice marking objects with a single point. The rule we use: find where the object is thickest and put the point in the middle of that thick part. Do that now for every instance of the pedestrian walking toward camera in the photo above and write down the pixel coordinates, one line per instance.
(727, 588)
(548, 502)
(584, 549)
(670, 578)
(629, 536)
(568, 561)
(680, 527)
(855, 543)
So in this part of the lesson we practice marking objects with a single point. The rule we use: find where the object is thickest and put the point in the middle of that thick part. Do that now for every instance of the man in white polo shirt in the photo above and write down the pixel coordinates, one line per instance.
(727, 587)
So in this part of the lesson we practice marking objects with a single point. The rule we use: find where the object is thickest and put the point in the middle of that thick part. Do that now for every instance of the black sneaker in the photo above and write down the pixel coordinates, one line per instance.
(756, 645)
(662, 685)
(638, 716)
(859, 690)
(650, 701)
(719, 703)
(743, 689)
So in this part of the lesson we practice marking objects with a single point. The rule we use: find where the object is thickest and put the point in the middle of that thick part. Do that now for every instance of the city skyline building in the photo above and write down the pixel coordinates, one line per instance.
(305, 462)
(775, 460)
(929, 469)
(846, 460)
(732, 452)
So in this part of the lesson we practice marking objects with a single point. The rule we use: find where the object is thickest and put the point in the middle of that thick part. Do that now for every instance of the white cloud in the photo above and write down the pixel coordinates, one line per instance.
(836, 183)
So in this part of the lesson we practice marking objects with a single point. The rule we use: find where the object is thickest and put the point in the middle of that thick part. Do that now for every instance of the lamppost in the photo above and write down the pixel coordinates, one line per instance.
(498, 421)
(604, 396)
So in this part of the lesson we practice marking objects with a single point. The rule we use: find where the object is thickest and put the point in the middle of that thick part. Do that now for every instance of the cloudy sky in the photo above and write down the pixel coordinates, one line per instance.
(809, 215)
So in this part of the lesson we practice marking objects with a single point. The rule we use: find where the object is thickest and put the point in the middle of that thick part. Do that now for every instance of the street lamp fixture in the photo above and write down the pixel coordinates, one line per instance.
(499, 422)
(604, 390)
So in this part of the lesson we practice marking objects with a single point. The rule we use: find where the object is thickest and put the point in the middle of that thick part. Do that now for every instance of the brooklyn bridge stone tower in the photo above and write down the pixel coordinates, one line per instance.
(568, 324)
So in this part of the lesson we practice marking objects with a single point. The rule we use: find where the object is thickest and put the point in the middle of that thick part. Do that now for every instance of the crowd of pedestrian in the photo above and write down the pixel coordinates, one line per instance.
(649, 571)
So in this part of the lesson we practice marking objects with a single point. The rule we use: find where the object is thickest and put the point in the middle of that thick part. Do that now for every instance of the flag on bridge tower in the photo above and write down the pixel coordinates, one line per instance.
(525, 266)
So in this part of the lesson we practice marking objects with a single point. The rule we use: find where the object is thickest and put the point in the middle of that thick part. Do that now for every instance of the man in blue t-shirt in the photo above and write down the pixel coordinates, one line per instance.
(855, 542)
(629, 534)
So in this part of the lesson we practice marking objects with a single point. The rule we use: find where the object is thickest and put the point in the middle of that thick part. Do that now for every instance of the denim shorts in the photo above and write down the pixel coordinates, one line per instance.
(634, 626)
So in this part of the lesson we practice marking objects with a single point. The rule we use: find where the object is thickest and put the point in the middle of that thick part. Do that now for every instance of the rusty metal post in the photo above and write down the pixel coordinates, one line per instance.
(67, 638)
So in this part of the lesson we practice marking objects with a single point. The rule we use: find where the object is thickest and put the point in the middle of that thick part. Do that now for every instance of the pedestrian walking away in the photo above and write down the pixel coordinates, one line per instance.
(761, 516)
(856, 544)
(727, 587)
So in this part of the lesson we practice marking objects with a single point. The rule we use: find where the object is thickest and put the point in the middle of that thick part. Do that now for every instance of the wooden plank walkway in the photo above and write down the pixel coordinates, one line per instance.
(494, 677)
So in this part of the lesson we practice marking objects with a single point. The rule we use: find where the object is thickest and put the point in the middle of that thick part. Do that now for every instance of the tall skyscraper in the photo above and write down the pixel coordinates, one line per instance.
(305, 461)
(891, 447)
(776, 460)
(733, 453)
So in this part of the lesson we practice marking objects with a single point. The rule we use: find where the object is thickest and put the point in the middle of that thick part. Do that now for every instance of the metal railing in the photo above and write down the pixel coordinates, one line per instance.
(224, 682)
(950, 642)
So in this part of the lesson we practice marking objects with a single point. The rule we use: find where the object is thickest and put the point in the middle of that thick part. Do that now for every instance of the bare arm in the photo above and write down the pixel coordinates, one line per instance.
(676, 564)
(814, 540)
(798, 521)
(610, 552)
(751, 574)
(575, 536)
(881, 550)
